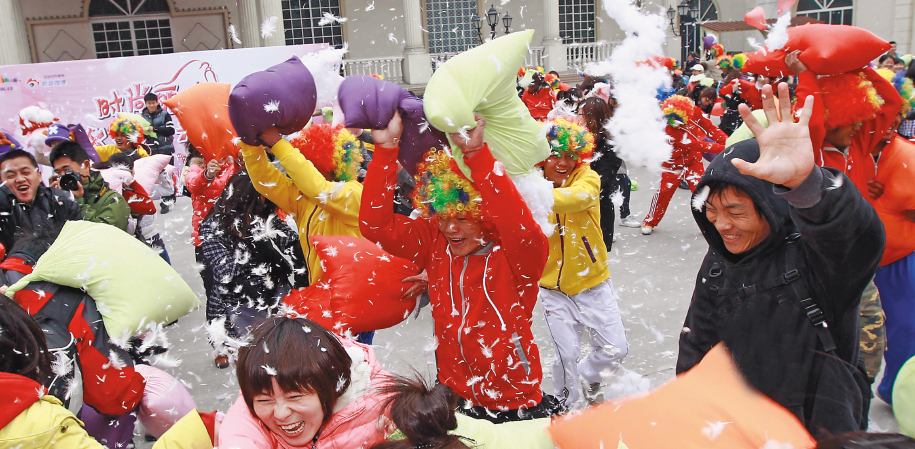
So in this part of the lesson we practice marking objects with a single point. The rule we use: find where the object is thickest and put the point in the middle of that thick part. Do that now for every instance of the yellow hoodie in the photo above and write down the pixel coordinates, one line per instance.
(105, 152)
(578, 256)
(46, 424)
(319, 206)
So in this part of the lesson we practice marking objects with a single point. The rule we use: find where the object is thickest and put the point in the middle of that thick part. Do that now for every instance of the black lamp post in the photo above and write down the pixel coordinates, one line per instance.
(688, 29)
(507, 22)
(478, 26)
(492, 18)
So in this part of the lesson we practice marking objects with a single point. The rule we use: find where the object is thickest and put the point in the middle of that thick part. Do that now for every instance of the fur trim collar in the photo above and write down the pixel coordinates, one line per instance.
(360, 378)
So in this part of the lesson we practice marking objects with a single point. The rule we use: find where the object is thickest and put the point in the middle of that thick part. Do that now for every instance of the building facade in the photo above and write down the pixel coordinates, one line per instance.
(403, 40)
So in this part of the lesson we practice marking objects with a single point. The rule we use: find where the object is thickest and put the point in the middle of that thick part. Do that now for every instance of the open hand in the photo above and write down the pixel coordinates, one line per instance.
(420, 284)
(785, 150)
(390, 136)
(472, 141)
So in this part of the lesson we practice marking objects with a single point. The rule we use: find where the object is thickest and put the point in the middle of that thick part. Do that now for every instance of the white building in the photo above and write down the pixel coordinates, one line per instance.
(400, 39)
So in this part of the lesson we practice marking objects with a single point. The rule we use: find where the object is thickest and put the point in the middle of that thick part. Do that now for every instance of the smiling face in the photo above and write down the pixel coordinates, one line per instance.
(735, 217)
(464, 235)
(294, 416)
(152, 105)
(888, 63)
(122, 141)
(22, 178)
(558, 169)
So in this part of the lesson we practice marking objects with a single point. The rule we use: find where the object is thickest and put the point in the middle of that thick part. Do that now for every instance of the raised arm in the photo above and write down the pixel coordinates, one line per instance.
(268, 180)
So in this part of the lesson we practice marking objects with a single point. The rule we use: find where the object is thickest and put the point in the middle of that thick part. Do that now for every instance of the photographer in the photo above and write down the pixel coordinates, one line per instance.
(97, 202)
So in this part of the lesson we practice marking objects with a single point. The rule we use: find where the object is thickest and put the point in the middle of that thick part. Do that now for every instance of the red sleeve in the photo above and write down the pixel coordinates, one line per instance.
(525, 245)
(199, 185)
(139, 201)
(397, 234)
(108, 389)
(711, 130)
(806, 86)
(872, 131)
(751, 94)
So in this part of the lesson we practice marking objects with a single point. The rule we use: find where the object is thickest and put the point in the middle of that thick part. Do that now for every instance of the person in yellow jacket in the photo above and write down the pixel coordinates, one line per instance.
(196, 430)
(575, 288)
(28, 417)
(128, 139)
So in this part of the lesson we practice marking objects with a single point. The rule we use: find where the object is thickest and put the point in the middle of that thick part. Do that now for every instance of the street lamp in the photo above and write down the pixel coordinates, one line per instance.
(689, 16)
(507, 21)
(492, 18)
(477, 25)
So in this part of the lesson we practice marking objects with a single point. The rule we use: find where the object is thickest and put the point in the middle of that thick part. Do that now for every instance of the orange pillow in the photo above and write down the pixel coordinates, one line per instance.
(360, 290)
(825, 50)
(203, 111)
(708, 407)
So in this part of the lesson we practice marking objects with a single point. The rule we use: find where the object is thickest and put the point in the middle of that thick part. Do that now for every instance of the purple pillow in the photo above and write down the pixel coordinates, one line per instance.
(369, 103)
(283, 96)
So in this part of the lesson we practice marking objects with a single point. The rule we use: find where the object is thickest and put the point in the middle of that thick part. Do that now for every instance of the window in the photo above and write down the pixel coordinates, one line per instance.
(576, 21)
(450, 26)
(708, 12)
(300, 21)
(835, 12)
(117, 33)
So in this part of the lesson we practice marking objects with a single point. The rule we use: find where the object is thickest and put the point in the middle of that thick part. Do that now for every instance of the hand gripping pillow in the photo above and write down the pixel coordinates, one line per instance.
(370, 103)
(146, 170)
(131, 284)
(360, 290)
(723, 411)
(483, 80)
(825, 50)
(203, 111)
(283, 96)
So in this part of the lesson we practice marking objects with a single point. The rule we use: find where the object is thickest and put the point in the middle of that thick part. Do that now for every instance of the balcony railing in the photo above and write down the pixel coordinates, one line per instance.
(580, 55)
(391, 68)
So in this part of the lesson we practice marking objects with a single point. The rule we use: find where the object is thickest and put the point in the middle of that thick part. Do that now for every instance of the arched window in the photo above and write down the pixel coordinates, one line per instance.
(131, 27)
(835, 12)
(450, 26)
(708, 12)
(576, 21)
(301, 18)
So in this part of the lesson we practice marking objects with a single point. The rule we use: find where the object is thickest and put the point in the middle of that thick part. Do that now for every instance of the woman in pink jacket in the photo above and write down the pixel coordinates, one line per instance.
(302, 387)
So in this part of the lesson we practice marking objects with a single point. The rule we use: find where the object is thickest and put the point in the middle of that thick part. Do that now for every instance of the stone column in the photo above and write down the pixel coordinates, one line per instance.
(273, 8)
(554, 51)
(903, 29)
(14, 41)
(417, 66)
(249, 23)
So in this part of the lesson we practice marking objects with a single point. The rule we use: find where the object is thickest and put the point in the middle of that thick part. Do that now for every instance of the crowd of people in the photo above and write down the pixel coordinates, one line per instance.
(805, 222)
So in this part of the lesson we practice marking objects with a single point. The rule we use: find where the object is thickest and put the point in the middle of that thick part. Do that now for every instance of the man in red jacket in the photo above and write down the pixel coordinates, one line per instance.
(688, 130)
(484, 254)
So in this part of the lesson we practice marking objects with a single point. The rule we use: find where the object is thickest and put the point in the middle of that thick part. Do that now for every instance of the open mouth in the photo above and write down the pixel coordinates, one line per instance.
(456, 241)
(22, 188)
(293, 429)
(730, 237)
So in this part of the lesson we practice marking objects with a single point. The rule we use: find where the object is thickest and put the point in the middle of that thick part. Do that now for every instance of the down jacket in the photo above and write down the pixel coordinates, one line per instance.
(205, 192)
(50, 208)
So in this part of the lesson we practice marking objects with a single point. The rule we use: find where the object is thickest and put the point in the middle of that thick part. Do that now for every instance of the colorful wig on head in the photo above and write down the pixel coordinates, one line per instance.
(739, 60)
(442, 190)
(566, 136)
(127, 127)
(677, 109)
(903, 86)
(332, 149)
(848, 98)
(552, 80)
(724, 62)
(716, 50)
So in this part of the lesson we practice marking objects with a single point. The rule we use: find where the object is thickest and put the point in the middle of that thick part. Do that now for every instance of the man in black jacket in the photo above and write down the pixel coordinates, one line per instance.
(791, 248)
(161, 122)
(25, 204)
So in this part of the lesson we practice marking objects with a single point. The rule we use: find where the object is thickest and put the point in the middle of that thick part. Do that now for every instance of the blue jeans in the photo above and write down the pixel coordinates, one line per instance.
(896, 283)
(365, 337)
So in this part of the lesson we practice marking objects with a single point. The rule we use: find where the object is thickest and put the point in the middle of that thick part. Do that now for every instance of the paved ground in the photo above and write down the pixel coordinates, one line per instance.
(653, 274)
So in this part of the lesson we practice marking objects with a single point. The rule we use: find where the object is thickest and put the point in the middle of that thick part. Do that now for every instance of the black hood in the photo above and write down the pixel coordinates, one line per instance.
(774, 208)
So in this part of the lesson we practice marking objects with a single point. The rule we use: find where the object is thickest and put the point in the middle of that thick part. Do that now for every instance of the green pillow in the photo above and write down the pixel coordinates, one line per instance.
(131, 284)
(743, 132)
(483, 80)
(904, 398)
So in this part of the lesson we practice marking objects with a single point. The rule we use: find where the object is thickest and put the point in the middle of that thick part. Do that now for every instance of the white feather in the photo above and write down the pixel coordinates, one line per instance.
(62, 365)
(699, 198)
(268, 28)
(329, 18)
(233, 33)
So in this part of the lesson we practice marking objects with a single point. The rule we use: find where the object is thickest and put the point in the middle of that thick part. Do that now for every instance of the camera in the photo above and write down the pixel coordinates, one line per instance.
(69, 181)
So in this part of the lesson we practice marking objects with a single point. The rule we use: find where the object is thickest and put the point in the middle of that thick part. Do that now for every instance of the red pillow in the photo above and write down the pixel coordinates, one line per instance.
(825, 50)
(360, 290)
(203, 111)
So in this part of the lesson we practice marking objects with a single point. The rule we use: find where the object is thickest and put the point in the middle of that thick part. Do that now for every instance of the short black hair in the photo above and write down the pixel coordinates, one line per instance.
(892, 42)
(885, 57)
(716, 189)
(23, 348)
(68, 149)
(554, 72)
(151, 97)
(15, 154)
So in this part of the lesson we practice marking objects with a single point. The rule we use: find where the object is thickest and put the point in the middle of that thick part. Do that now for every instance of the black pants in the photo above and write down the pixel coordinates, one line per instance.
(213, 310)
(624, 185)
(607, 220)
(547, 407)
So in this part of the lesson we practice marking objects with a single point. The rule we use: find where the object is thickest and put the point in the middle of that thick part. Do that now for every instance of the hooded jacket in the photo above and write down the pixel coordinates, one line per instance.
(31, 419)
(482, 303)
(578, 255)
(354, 422)
(50, 208)
(826, 231)
(204, 193)
(100, 204)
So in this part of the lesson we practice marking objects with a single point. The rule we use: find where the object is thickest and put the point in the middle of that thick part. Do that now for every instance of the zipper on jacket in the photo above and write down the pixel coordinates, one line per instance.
(308, 239)
(562, 251)
(461, 328)
(584, 239)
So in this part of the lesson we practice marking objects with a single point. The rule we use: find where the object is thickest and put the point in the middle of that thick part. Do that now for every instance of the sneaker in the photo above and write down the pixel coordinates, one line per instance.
(630, 222)
(684, 185)
(222, 362)
(164, 208)
(592, 393)
(614, 238)
(646, 230)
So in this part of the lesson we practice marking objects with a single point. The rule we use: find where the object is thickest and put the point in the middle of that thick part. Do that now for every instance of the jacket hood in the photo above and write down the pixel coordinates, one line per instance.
(774, 208)
(17, 393)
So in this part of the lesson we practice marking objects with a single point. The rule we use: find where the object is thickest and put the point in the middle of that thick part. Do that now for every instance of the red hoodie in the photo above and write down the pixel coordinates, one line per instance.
(17, 393)
(482, 303)
(689, 140)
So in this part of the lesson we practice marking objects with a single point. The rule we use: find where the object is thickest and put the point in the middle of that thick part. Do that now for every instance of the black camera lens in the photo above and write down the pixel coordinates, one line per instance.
(69, 181)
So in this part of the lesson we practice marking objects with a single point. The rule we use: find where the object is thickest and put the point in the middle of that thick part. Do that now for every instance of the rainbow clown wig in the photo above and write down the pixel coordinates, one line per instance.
(716, 50)
(332, 149)
(677, 109)
(848, 98)
(567, 136)
(442, 190)
(903, 86)
(739, 60)
(127, 127)
(724, 62)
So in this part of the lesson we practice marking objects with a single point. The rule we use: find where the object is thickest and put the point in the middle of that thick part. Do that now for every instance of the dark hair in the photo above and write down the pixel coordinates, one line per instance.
(70, 150)
(862, 440)
(554, 72)
(16, 154)
(898, 61)
(151, 97)
(120, 160)
(717, 188)
(304, 356)
(892, 42)
(884, 58)
(239, 206)
(588, 83)
(424, 415)
(23, 348)
(710, 93)
(537, 83)
(732, 75)
(596, 113)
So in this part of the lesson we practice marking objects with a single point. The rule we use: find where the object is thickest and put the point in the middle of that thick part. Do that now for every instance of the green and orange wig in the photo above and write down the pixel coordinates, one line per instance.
(566, 136)
(127, 127)
(332, 149)
(442, 190)
(677, 110)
